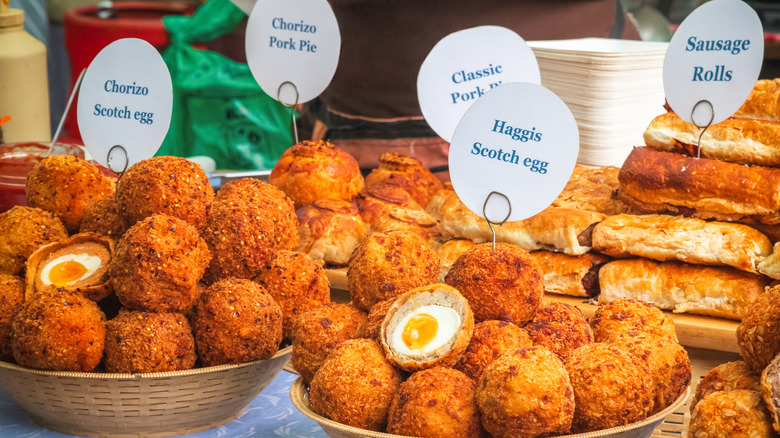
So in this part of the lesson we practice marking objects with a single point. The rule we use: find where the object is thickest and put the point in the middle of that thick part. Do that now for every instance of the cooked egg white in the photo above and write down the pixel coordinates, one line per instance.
(417, 325)
(69, 268)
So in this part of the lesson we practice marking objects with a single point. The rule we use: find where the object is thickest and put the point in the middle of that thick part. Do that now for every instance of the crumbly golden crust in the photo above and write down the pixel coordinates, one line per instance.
(165, 185)
(60, 331)
(274, 204)
(66, 185)
(504, 283)
(297, 283)
(373, 326)
(11, 301)
(145, 342)
(717, 291)
(732, 414)
(355, 385)
(560, 327)
(591, 188)
(700, 183)
(242, 239)
(236, 321)
(449, 251)
(387, 264)
(437, 403)
(317, 332)
(330, 230)
(729, 376)
(157, 264)
(526, 393)
(22, 231)
(758, 335)
(313, 170)
(405, 172)
(102, 217)
(627, 315)
(377, 200)
(489, 341)
(611, 387)
(667, 361)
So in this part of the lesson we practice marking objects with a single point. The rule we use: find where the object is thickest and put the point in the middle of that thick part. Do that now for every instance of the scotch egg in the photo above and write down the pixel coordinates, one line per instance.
(78, 264)
(427, 326)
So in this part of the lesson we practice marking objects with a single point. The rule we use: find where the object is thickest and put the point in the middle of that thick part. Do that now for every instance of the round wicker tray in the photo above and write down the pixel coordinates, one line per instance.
(139, 405)
(300, 398)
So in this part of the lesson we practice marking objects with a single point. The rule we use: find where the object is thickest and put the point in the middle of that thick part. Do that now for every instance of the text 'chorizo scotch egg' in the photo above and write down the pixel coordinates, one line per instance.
(426, 327)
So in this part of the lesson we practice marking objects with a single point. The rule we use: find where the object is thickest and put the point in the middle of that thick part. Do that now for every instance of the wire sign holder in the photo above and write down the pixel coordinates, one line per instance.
(291, 106)
(490, 222)
(704, 127)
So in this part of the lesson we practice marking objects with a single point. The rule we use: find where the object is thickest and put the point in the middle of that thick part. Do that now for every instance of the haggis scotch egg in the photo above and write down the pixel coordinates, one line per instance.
(427, 326)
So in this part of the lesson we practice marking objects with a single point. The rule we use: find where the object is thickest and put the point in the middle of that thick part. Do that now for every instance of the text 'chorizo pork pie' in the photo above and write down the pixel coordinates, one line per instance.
(317, 332)
(502, 283)
(427, 326)
(157, 265)
(312, 170)
(405, 172)
(437, 402)
(758, 335)
(79, 263)
(236, 321)
(165, 185)
(66, 185)
(526, 393)
(330, 230)
(22, 231)
(59, 331)
(355, 385)
(490, 340)
(387, 264)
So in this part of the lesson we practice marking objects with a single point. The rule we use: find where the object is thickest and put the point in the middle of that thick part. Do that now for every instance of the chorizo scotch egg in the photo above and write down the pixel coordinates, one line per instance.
(426, 327)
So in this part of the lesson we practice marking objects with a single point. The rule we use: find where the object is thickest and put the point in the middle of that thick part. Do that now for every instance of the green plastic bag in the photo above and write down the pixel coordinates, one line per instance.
(218, 108)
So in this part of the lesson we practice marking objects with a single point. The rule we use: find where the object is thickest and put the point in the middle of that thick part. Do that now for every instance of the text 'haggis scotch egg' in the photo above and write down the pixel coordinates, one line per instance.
(427, 326)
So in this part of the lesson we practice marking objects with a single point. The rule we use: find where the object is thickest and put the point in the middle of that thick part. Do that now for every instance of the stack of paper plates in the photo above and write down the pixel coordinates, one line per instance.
(614, 88)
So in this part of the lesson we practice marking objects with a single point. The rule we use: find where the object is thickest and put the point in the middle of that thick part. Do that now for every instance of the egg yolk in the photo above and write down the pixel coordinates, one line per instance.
(66, 272)
(419, 331)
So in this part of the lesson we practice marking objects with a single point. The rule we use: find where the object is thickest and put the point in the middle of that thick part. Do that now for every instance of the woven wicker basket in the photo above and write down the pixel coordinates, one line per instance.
(641, 429)
(139, 405)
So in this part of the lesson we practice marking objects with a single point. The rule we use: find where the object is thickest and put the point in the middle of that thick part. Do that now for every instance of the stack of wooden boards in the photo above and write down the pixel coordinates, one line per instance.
(684, 233)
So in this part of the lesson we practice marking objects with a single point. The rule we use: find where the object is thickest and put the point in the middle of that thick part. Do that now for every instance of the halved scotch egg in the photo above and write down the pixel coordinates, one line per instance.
(79, 264)
(427, 326)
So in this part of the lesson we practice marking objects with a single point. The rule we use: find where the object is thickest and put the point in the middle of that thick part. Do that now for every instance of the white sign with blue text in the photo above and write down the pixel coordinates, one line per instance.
(713, 61)
(463, 66)
(519, 140)
(125, 100)
(292, 48)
